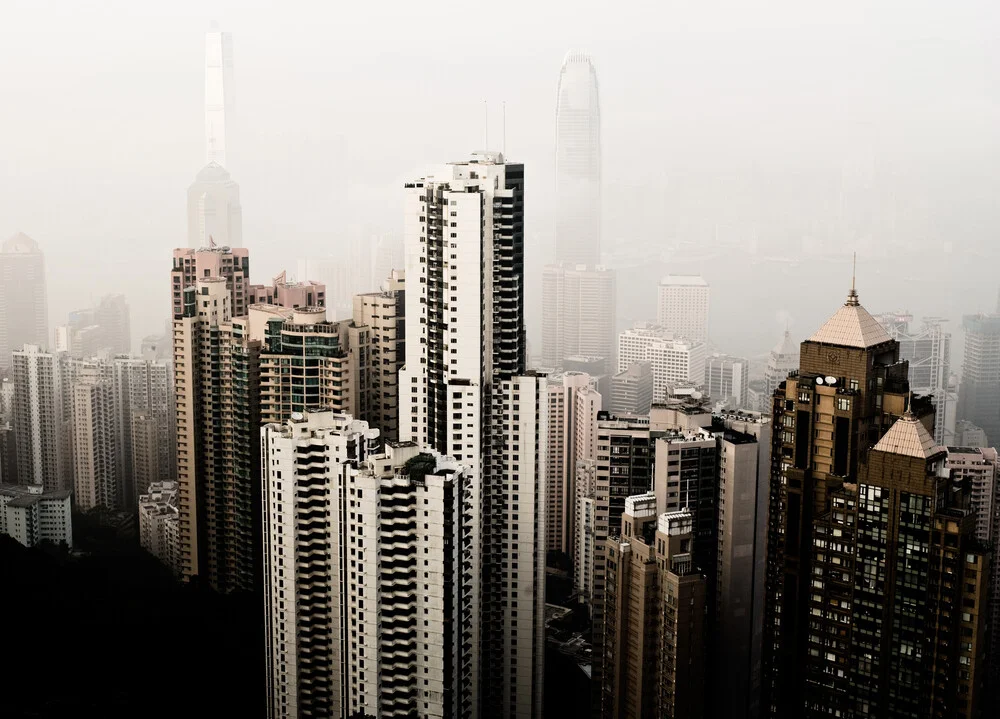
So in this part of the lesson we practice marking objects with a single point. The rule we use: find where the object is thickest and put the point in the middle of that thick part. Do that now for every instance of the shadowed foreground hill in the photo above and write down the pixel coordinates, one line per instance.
(113, 635)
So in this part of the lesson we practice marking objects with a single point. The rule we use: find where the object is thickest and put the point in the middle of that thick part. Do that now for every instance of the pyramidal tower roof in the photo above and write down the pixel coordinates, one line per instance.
(852, 326)
(907, 437)
(785, 345)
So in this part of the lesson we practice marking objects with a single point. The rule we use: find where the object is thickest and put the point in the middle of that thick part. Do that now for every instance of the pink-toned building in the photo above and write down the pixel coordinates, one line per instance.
(289, 294)
(190, 265)
(233, 264)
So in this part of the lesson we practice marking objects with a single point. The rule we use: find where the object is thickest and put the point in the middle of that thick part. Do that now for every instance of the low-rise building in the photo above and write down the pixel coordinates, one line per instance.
(158, 522)
(31, 515)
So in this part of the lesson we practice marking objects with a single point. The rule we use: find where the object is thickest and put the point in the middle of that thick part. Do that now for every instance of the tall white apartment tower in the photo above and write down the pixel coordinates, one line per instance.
(578, 162)
(40, 416)
(366, 580)
(464, 392)
(682, 306)
(95, 439)
(573, 406)
(220, 99)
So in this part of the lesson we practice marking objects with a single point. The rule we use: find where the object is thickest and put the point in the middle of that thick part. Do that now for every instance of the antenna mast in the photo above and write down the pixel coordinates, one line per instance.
(504, 145)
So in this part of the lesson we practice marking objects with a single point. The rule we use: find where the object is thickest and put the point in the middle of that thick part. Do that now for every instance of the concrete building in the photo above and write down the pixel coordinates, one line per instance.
(594, 366)
(32, 515)
(573, 405)
(979, 468)
(8, 444)
(979, 393)
(881, 640)
(969, 435)
(89, 332)
(40, 419)
(389, 522)
(682, 307)
(465, 393)
(96, 475)
(201, 261)
(288, 293)
(928, 350)
(727, 380)
(654, 654)
(158, 522)
(381, 316)
(781, 361)
(578, 162)
(849, 389)
(578, 314)
(672, 360)
(632, 390)
(147, 439)
(24, 309)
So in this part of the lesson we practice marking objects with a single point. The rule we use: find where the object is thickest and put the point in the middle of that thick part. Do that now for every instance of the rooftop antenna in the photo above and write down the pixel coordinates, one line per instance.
(486, 120)
(503, 147)
(852, 296)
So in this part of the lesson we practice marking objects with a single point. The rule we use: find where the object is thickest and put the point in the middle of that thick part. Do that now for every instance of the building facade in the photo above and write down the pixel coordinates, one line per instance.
(465, 393)
(40, 419)
(578, 314)
(632, 390)
(24, 309)
(654, 658)
(158, 522)
(727, 380)
(928, 350)
(573, 404)
(672, 360)
(682, 303)
(31, 515)
(850, 387)
(96, 474)
(979, 393)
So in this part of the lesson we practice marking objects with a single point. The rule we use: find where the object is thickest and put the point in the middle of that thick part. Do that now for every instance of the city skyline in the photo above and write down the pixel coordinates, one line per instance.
(491, 435)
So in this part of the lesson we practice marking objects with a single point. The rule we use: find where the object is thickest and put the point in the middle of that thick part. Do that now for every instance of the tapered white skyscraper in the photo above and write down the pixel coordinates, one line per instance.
(219, 96)
(578, 163)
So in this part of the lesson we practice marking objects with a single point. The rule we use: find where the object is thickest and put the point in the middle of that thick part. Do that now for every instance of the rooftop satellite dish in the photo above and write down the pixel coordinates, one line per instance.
(831, 380)
(696, 395)
(819, 380)
(297, 417)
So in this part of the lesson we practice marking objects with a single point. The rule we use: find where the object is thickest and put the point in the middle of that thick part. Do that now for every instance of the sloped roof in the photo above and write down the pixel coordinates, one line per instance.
(852, 326)
(907, 437)
(20, 244)
(785, 346)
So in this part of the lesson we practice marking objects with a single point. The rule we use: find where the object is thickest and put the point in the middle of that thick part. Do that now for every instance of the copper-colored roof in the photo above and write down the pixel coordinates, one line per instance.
(852, 326)
(907, 437)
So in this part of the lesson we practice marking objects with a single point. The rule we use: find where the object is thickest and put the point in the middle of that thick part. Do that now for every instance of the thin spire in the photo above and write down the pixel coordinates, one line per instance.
(852, 296)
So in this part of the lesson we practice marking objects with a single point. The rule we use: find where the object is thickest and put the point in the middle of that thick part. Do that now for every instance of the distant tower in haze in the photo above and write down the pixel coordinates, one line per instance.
(214, 211)
(24, 313)
(578, 163)
(219, 95)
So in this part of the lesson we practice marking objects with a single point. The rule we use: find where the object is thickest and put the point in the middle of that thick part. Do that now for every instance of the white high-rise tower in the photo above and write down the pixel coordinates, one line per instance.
(464, 392)
(220, 103)
(578, 163)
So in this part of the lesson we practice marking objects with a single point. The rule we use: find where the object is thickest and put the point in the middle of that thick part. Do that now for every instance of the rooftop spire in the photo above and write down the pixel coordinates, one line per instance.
(852, 296)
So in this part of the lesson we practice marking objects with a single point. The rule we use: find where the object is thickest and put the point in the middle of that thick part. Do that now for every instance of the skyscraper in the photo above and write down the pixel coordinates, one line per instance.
(220, 98)
(682, 306)
(578, 304)
(147, 439)
(979, 393)
(849, 388)
(24, 311)
(781, 361)
(727, 379)
(928, 350)
(573, 406)
(578, 163)
(349, 534)
(381, 317)
(464, 393)
(654, 649)
(104, 328)
(95, 433)
(215, 216)
(673, 360)
(897, 599)
(40, 418)
(231, 372)
(632, 390)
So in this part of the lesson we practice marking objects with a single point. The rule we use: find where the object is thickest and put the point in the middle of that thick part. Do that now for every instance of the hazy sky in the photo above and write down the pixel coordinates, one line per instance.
(739, 114)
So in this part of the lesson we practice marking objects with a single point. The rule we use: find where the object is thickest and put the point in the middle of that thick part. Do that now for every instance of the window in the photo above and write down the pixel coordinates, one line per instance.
(844, 403)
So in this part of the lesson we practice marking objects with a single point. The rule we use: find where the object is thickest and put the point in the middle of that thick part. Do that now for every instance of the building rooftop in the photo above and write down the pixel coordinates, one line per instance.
(684, 280)
(907, 437)
(852, 326)
(19, 244)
